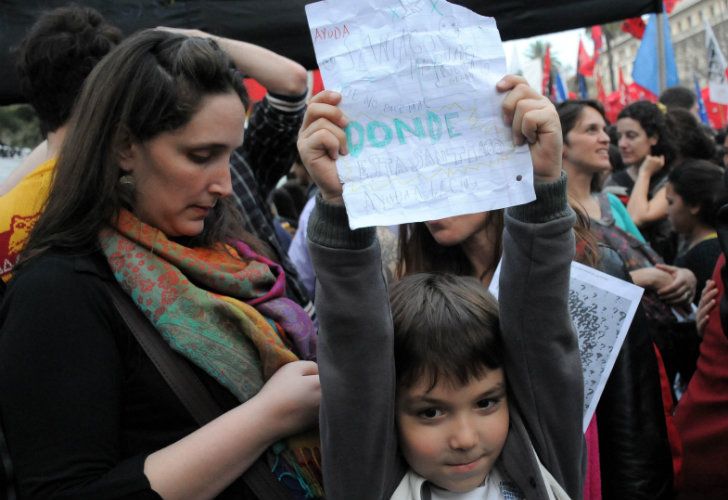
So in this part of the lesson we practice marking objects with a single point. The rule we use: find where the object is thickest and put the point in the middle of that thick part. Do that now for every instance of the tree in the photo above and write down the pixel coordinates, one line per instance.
(611, 31)
(19, 126)
(537, 50)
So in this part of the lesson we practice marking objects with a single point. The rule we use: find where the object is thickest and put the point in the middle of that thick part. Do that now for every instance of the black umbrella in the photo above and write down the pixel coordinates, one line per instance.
(280, 25)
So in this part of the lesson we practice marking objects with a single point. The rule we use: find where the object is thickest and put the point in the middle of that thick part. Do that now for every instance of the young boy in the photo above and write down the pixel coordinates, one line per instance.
(478, 406)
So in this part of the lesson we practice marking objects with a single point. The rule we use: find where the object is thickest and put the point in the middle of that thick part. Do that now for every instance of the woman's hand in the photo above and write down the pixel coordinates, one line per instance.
(682, 288)
(652, 164)
(651, 277)
(533, 119)
(320, 142)
(293, 394)
(705, 306)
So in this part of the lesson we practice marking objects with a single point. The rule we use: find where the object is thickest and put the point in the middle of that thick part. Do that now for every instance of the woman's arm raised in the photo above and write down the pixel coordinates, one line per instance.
(276, 73)
(642, 209)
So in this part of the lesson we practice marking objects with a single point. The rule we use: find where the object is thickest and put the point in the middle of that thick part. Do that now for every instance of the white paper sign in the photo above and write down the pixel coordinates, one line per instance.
(426, 137)
(602, 308)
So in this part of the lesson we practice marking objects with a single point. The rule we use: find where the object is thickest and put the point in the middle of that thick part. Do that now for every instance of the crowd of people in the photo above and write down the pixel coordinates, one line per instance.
(162, 249)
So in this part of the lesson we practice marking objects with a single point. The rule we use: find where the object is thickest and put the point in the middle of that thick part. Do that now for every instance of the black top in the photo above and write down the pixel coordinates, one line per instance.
(659, 233)
(81, 404)
(701, 261)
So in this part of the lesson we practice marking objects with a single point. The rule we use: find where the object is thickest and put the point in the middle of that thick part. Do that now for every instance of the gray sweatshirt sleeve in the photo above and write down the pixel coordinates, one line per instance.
(541, 350)
(356, 360)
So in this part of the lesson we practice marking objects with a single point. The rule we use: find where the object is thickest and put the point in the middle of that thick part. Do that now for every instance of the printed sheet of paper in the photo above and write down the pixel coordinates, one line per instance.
(426, 137)
(602, 308)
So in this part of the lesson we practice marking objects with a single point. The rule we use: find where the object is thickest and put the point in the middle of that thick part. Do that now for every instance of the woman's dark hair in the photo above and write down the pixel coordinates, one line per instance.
(444, 326)
(678, 98)
(615, 158)
(153, 82)
(570, 113)
(690, 138)
(55, 57)
(420, 252)
(652, 120)
(700, 184)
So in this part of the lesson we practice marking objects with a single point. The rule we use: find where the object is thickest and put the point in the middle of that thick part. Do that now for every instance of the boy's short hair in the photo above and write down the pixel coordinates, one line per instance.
(444, 326)
(55, 57)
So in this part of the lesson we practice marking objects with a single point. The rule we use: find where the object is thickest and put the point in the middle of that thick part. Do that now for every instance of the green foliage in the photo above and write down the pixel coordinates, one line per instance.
(19, 126)
(612, 30)
(537, 50)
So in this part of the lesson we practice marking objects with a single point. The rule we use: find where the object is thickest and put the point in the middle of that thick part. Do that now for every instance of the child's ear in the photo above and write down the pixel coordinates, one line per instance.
(694, 209)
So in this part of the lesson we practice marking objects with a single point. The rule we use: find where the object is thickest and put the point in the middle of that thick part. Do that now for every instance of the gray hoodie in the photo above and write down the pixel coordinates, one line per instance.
(541, 358)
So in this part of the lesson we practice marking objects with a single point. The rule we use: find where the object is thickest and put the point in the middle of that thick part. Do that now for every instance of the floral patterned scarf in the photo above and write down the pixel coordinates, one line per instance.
(223, 308)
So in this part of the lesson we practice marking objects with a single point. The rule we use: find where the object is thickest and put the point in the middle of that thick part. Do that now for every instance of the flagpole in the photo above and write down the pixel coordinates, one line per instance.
(661, 51)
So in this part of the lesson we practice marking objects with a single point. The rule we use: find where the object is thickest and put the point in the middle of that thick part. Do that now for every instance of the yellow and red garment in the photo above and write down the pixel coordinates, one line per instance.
(19, 211)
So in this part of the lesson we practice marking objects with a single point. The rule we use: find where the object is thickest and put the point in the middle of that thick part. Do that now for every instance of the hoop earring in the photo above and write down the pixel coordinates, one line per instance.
(127, 180)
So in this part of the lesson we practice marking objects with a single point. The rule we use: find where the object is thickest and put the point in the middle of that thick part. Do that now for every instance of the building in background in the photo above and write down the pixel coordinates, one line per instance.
(687, 27)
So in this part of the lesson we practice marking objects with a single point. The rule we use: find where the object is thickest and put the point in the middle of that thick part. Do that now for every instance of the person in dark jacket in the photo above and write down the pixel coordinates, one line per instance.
(141, 203)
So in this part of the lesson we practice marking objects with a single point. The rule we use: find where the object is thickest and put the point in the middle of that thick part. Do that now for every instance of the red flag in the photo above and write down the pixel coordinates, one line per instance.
(601, 93)
(546, 80)
(622, 90)
(256, 92)
(603, 98)
(635, 27)
(613, 103)
(316, 83)
(670, 5)
(613, 106)
(596, 34)
(638, 93)
(716, 112)
(584, 63)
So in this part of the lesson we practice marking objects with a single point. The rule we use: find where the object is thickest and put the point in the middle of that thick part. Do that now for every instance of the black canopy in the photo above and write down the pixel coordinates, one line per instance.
(280, 25)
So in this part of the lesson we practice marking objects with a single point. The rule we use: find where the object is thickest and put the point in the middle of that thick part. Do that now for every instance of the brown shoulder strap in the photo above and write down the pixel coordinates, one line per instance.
(188, 387)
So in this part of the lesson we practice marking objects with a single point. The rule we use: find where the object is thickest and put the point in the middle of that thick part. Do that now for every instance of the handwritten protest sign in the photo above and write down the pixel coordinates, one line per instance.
(426, 136)
(602, 308)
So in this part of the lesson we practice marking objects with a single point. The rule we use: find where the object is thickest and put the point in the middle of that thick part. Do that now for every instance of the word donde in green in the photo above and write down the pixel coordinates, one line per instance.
(379, 134)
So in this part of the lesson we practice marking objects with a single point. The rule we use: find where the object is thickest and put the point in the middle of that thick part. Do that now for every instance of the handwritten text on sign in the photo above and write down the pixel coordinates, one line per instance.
(425, 136)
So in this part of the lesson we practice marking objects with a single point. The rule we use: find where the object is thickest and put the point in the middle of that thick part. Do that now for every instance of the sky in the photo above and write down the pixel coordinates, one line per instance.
(564, 45)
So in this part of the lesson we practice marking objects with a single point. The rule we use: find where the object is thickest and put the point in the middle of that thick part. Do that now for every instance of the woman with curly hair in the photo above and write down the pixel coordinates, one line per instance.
(646, 146)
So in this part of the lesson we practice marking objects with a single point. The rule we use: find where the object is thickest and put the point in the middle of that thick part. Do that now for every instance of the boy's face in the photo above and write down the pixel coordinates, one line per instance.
(452, 435)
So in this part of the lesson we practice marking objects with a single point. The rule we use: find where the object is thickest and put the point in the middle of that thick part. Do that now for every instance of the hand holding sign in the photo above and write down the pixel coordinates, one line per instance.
(425, 135)
(533, 119)
(320, 142)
